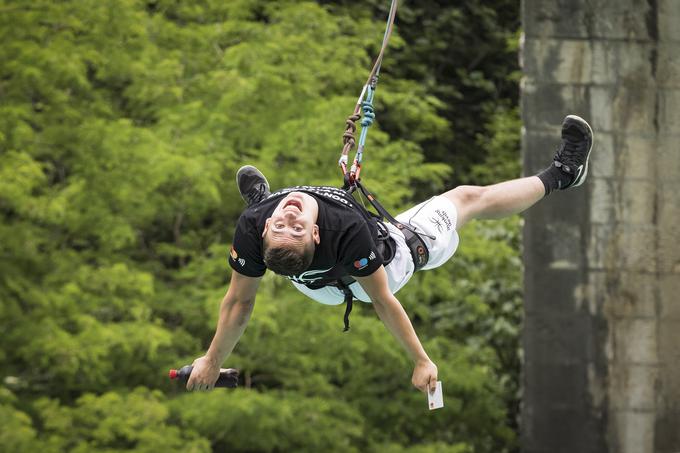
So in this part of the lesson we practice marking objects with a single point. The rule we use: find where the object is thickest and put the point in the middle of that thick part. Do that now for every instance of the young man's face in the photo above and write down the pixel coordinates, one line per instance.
(293, 222)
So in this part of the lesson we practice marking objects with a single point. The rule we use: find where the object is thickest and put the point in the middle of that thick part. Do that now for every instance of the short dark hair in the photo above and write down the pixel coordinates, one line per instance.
(288, 260)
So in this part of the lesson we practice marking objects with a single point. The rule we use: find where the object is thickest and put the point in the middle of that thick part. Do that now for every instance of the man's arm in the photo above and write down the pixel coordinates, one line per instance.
(235, 311)
(397, 322)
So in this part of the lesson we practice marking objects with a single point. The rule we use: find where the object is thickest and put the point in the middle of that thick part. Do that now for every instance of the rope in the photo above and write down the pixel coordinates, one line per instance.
(365, 104)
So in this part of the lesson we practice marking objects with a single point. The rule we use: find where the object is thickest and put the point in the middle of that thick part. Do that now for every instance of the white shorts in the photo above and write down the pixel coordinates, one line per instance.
(435, 217)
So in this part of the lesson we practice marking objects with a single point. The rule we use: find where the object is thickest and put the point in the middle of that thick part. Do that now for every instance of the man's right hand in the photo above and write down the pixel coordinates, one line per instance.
(235, 310)
(204, 375)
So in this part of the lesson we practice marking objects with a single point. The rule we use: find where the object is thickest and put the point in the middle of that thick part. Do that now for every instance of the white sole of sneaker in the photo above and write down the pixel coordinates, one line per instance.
(582, 177)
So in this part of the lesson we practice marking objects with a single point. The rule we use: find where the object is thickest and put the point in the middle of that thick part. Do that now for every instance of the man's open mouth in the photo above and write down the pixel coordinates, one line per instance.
(295, 203)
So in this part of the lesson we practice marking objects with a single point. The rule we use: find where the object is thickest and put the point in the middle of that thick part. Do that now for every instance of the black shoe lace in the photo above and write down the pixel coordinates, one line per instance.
(572, 150)
(256, 195)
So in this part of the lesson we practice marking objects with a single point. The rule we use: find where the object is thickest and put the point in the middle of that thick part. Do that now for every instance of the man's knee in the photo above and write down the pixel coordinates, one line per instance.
(465, 197)
(468, 201)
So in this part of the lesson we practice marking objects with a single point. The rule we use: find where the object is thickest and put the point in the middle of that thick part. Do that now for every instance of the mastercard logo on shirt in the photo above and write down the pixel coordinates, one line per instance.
(360, 264)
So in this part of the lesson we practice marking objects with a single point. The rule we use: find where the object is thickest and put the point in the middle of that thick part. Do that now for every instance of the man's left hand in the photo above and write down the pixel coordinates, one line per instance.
(425, 376)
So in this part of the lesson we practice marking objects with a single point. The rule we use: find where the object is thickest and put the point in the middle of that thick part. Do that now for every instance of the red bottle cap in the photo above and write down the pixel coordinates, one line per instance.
(172, 374)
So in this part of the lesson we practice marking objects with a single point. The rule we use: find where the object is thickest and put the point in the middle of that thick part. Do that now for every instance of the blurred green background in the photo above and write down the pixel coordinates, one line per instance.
(121, 126)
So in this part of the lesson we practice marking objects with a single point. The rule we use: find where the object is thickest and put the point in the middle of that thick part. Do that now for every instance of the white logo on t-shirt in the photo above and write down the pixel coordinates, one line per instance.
(308, 276)
(328, 192)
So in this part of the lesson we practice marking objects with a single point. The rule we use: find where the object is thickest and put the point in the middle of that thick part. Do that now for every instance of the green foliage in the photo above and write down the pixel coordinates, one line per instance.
(500, 143)
(275, 421)
(16, 428)
(464, 56)
(114, 422)
(121, 126)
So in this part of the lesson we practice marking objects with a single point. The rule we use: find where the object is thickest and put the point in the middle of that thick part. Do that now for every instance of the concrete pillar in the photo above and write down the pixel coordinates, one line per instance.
(602, 312)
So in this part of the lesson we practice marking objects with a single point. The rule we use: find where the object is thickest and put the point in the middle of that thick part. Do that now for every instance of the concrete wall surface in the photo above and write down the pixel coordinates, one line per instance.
(602, 311)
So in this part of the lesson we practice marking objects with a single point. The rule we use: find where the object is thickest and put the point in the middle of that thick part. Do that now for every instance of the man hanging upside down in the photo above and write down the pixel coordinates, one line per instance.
(319, 237)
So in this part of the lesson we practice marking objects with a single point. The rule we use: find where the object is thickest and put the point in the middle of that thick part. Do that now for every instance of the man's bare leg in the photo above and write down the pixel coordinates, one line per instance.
(568, 169)
(496, 201)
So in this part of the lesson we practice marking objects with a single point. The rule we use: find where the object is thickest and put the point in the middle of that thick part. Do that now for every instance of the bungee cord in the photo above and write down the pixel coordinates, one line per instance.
(352, 177)
(364, 104)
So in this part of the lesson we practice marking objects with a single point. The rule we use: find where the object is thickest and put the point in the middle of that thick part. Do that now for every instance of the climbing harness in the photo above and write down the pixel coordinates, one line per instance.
(352, 177)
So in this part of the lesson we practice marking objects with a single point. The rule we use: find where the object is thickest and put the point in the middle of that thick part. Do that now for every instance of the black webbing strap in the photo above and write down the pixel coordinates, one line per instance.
(343, 284)
(415, 243)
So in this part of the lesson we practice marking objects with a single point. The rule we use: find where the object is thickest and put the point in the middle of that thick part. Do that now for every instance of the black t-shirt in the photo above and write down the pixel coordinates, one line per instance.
(348, 237)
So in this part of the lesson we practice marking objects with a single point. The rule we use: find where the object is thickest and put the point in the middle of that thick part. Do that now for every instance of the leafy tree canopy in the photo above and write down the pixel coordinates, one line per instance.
(121, 126)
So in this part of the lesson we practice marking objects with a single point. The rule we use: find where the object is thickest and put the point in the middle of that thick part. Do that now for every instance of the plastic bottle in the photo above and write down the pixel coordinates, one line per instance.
(228, 377)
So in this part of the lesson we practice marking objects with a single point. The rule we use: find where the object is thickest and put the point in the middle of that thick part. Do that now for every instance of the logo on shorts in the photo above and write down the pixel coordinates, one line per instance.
(360, 264)
(436, 222)
(441, 221)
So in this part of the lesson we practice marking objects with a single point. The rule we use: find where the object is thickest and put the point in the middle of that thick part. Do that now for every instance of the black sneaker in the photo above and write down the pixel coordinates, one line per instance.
(252, 184)
(572, 155)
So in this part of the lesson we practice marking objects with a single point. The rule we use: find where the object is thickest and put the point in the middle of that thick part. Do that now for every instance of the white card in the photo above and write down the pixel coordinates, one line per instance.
(436, 400)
